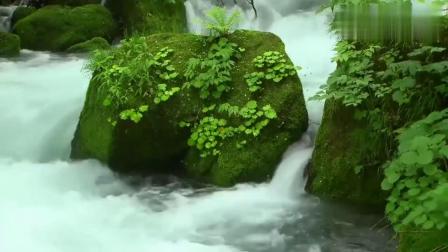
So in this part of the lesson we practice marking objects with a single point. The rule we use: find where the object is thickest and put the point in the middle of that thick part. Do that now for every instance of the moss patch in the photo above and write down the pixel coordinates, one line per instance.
(149, 16)
(90, 45)
(20, 13)
(342, 144)
(158, 144)
(9, 45)
(423, 241)
(56, 28)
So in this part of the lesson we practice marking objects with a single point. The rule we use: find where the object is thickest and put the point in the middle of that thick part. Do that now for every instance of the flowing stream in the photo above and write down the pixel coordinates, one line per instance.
(51, 204)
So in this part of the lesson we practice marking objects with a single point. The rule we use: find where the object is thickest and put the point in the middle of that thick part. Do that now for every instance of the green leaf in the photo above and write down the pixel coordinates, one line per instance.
(424, 157)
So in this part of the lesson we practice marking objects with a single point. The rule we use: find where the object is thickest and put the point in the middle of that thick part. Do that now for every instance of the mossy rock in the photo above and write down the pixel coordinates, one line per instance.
(423, 241)
(20, 13)
(56, 28)
(9, 44)
(157, 143)
(96, 43)
(344, 143)
(149, 16)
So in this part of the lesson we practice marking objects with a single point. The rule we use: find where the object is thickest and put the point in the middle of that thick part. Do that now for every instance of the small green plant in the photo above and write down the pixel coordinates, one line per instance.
(219, 23)
(418, 176)
(212, 75)
(273, 66)
(163, 93)
(130, 74)
(208, 135)
(135, 115)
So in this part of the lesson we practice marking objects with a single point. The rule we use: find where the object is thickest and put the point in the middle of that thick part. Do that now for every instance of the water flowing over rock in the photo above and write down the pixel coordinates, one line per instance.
(6, 13)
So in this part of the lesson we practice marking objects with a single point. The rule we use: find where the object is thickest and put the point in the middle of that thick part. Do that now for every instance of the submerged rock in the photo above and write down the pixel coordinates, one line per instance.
(149, 16)
(9, 44)
(157, 143)
(96, 43)
(56, 28)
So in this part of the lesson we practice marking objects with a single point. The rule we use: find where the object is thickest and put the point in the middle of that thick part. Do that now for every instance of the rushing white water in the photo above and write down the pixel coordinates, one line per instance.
(49, 204)
(5, 17)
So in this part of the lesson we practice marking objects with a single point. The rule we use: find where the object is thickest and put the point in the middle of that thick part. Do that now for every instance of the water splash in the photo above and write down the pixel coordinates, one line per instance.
(6, 13)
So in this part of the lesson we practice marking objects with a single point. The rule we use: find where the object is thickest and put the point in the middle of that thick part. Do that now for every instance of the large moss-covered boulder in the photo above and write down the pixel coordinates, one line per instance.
(20, 13)
(96, 43)
(346, 159)
(149, 16)
(56, 28)
(157, 143)
(9, 44)
(423, 241)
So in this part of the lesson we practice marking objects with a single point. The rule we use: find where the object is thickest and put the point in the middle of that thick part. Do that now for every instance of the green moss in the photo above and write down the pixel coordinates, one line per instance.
(56, 28)
(9, 45)
(342, 144)
(149, 16)
(158, 144)
(20, 13)
(423, 241)
(96, 43)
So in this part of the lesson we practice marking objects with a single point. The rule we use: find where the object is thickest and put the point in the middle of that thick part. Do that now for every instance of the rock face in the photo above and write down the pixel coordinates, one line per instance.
(20, 13)
(9, 45)
(343, 143)
(149, 16)
(90, 45)
(56, 28)
(157, 143)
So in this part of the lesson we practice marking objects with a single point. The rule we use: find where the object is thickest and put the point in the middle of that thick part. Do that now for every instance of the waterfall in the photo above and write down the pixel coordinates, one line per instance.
(6, 13)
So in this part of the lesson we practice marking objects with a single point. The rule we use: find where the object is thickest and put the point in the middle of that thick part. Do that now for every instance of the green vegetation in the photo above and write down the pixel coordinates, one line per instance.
(219, 24)
(273, 66)
(9, 45)
(418, 176)
(212, 74)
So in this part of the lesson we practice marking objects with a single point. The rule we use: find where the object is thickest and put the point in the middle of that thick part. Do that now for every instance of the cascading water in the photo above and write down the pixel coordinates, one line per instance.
(5, 17)
(49, 204)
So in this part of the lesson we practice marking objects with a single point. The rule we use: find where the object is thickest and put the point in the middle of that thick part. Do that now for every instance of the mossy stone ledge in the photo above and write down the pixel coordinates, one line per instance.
(96, 43)
(158, 145)
(9, 45)
(344, 143)
(56, 28)
(149, 16)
